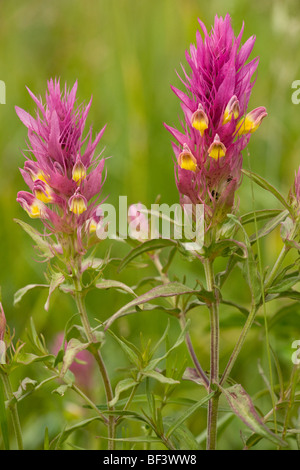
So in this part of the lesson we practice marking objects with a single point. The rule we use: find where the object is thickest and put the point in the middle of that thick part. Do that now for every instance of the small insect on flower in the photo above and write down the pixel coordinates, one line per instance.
(64, 176)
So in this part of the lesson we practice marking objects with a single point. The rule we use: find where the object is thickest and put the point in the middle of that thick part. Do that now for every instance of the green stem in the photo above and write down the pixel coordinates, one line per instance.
(13, 410)
(89, 402)
(214, 360)
(276, 267)
(239, 345)
(268, 283)
(292, 392)
(96, 353)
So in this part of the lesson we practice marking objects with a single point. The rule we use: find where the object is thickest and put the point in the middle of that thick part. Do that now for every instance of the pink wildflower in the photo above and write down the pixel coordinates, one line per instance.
(216, 125)
(64, 178)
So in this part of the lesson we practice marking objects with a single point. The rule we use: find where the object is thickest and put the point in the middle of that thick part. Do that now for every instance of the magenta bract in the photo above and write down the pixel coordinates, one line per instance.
(63, 175)
(216, 125)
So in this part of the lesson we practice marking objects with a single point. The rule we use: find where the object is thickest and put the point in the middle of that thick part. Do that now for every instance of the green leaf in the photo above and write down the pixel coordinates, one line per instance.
(41, 243)
(152, 364)
(29, 358)
(242, 309)
(130, 353)
(284, 285)
(226, 248)
(74, 346)
(166, 290)
(192, 375)
(174, 311)
(26, 385)
(259, 215)
(55, 281)
(34, 337)
(65, 434)
(184, 416)
(123, 385)
(92, 263)
(149, 245)
(269, 226)
(160, 377)
(241, 404)
(3, 417)
(108, 284)
(182, 438)
(135, 439)
(286, 311)
(61, 390)
(268, 187)
(286, 229)
(21, 292)
(290, 294)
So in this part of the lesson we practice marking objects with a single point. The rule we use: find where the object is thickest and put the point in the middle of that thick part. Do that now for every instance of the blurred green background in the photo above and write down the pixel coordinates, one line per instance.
(125, 53)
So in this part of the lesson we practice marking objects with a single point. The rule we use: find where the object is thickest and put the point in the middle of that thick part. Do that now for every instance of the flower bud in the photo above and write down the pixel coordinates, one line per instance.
(186, 159)
(42, 191)
(34, 171)
(79, 171)
(77, 203)
(217, 149)
(252, 121)
(232, 109)
(199, 120)
(34, 208)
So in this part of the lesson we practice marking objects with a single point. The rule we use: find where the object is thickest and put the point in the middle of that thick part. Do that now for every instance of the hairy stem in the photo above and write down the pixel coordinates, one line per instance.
(188, 341)
(193, 355)
(13, 410)
(214, 360)
(97, 355)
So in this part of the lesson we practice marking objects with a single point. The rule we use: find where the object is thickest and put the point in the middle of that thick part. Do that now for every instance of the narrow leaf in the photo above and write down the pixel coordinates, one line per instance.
(242, 405)
(21, 292)
(153, 374)
(43, 246)
(269, 226)
(166, 290)
(108, 284)
(121, 387)
(74, 346)
(268, 187)
(56, 280)
(184, 416)
(259, 215)
(149, 245)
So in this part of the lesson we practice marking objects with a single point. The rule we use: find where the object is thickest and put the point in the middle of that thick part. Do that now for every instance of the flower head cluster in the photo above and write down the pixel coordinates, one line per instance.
(64, 178)
(216, 125)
